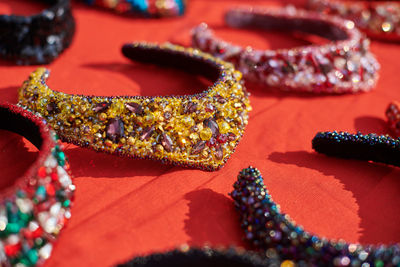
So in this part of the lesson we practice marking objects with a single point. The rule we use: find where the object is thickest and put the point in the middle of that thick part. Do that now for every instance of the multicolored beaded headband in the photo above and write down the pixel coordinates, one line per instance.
(148, 8)
(378, 19)
(276, 233)
(393, 117)
(35, 208)
(37, 39)
(200, 130)
(343, 66)
(186, 256)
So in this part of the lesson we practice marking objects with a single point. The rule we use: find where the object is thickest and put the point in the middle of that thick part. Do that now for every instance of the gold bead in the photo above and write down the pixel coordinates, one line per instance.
(131, 141)
(108, 143)
(102, 116)
(148, 119)
(206, 134)
(159, 148)
(287, 263)
(188, 121)
(223, 127)
(96, 128)
(204, 154)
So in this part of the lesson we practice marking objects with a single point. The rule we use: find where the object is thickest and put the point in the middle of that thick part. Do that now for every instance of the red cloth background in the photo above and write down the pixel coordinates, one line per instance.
(126, 207)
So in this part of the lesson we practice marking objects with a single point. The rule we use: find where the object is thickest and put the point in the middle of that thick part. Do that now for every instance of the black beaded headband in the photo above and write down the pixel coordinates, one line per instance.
(37, 39)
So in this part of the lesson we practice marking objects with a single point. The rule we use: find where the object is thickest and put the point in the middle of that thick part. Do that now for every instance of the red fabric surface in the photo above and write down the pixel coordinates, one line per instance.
(126, 207)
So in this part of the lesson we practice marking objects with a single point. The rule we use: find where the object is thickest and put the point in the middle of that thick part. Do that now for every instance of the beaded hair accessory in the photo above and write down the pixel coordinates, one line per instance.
(344, 65)
(200, 130)
(378, 19)
(199, 257)
(37, 39)
(36, 207)
(267, 228)
(147, 8)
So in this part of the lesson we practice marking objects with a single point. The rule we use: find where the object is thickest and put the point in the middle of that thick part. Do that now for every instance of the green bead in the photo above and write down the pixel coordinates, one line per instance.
(24, 218)
(32, 256)
(379, 263)
(41, 191)
(66, 203)
(12, 228)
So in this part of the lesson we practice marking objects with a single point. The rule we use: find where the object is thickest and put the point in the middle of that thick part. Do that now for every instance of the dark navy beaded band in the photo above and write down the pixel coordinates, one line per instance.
(372, 147)
(276, 234)
(37, 39)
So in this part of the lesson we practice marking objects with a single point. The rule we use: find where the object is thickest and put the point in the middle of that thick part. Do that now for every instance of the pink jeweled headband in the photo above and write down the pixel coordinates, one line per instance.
(345, 65)
(378, 19)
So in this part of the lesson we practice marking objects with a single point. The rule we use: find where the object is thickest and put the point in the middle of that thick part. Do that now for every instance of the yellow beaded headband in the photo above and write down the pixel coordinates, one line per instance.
(200, 130)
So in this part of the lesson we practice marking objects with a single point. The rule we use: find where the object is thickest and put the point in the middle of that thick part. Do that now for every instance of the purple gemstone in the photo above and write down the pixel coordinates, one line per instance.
(135, 108)
(190, 107)
(219, 153)
(166, 142)
(115, 130)
(147, 132)
(197, 148)
(52, 108)
(100, 107)
(210, 123)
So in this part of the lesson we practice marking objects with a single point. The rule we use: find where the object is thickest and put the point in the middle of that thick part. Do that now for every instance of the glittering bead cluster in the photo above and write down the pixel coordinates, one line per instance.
(369, 147)
(37, 39)
(151, 8)
(198, 130)
(342, 66)
(393, 117)
(35, 210)
(277, 234)
(379, 19)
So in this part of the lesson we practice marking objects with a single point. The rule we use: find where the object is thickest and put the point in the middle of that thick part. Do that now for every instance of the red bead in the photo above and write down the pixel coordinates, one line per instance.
(50, 190)
(222, 138)
(12, 250)
(54, 176)
(42, 173)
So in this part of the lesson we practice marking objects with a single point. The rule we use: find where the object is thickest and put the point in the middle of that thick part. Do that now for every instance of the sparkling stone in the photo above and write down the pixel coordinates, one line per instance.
(55, 209)
(210, 123)
(273, 63)
(387, 26)
(134, 107)
(63, 177)
(339, 63)
(351, 65)
(219, 153)
(100, 107)
(3, 223)
(24, 205)
(147, 132)
(45, 251)
(198, 147)
(115, 130)
(50, 162)
(33, 226)
(206, 134)
(272, 80)
(166, 142)
(50, 225)
(190, 107)
(355, 78)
